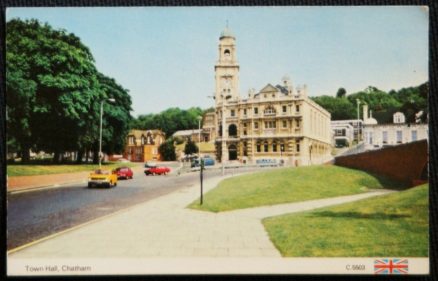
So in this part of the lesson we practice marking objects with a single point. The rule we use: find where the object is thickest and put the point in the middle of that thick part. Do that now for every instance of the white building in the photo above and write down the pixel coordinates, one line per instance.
(343, 133)
(381, 135)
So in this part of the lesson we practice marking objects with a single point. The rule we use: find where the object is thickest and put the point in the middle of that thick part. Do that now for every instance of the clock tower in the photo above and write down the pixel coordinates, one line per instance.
(227, 68)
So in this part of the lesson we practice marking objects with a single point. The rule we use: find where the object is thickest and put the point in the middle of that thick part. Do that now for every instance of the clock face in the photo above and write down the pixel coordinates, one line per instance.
(226, 82)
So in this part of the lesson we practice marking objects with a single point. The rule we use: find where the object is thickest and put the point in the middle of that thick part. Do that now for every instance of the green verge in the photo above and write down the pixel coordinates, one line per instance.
(289, 185)
(393, 225)
(14, 170)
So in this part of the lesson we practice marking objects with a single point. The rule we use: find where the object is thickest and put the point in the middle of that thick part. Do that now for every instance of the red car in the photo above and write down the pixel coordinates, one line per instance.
(124, 172)
(156, 171)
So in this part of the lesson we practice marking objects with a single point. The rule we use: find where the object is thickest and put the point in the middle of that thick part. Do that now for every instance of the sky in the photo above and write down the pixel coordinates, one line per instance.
(165, 56)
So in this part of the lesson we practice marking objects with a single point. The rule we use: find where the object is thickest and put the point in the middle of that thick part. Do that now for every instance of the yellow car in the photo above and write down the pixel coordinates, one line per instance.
(102, 177)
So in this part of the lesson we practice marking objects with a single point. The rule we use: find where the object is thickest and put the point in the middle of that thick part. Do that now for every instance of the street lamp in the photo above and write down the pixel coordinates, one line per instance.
(100, 138)
(358, 125)
(199, 137)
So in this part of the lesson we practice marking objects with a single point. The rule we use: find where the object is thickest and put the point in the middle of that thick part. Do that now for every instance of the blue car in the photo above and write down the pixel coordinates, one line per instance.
(207, 162)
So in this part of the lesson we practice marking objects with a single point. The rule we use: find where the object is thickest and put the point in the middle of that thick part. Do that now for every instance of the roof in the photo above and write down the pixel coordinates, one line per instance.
(138, 133)
(227, 33)
(184, 133)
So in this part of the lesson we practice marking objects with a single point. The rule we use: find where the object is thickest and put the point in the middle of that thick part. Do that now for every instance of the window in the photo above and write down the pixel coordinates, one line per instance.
(244, 125)
(384, 137)
(298, 147)
(256, 110)
(282, 147)
(131, 140)
(414, 135)
(244, 132)
(399, 136)
(274, 147)
(233, 112)
(284, 109)
(256, 125)
(244, 111)
(142, 140)
(269, 111)
(245, 149)
(269, 124)
(284, 123)
(297, 108)
(266, 146)
(273, 95)
(298, 124)
(258, 147)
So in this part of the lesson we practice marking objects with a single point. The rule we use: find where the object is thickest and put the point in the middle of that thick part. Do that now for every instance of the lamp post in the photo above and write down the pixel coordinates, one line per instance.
(199, 137)
(358, 124)
(100, 138)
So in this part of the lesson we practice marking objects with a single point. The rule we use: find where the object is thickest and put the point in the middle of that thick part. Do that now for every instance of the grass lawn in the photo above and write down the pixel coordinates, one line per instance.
(394, 225)
(289, 185)
(30, 170)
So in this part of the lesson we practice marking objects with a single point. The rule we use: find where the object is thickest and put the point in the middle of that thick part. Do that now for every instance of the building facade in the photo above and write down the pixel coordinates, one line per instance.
(382, 135)
(142, 145)
(278, 123)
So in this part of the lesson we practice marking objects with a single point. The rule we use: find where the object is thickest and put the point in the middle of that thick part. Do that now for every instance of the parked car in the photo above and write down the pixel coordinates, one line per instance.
(101, 177)
(156, 171)
(208, 161)
(124, 172)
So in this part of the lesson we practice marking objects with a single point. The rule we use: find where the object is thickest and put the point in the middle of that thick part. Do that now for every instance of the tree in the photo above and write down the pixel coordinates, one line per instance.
(169, 120)
(341, 93)
(190, 147)
(167, 150)
(116, 116)
(340, 109)
(54, 93)
(60, 82)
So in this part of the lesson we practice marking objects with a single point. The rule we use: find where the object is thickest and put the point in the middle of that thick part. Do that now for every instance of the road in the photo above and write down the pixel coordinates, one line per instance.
(37, 214)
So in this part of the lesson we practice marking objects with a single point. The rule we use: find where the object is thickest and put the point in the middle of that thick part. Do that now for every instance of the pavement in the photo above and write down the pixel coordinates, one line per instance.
(164, 227)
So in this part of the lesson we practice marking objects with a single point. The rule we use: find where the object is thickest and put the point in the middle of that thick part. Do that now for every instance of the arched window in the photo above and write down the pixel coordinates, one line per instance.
(259, 147)
(143, 140)
(265, 146)
(274, 146)
(232, 130)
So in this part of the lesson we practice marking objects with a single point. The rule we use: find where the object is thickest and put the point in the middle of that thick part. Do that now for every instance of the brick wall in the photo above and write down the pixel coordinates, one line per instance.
(404, 163)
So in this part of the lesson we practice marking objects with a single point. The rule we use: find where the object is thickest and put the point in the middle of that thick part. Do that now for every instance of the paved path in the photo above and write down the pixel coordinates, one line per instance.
(165, 228)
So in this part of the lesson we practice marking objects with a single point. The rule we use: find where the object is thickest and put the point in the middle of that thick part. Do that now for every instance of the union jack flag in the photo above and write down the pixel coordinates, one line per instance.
(391, 266)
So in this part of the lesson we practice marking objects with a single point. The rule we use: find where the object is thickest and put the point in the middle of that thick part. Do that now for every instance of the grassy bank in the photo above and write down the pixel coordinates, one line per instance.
(394, 225)
(289, 185)
(14, 170)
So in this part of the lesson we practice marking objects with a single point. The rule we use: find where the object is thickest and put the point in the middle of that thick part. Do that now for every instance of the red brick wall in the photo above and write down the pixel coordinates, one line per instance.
(403, 163)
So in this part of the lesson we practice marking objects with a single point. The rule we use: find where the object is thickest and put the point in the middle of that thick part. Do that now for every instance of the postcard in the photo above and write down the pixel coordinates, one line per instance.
(217, 140)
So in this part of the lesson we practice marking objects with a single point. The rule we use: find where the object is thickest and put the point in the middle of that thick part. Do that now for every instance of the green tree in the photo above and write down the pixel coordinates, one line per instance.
(116, 116)
(190, 147)
(340, 109)
(341, 93)
(169, 120)
(167, 150)
(60, 83)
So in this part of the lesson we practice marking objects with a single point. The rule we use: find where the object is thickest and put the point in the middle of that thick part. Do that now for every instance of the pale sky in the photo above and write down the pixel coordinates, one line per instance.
(165, 56)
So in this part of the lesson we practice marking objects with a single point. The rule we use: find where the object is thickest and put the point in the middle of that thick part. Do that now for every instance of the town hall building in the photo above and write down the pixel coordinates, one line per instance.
(279, 123)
